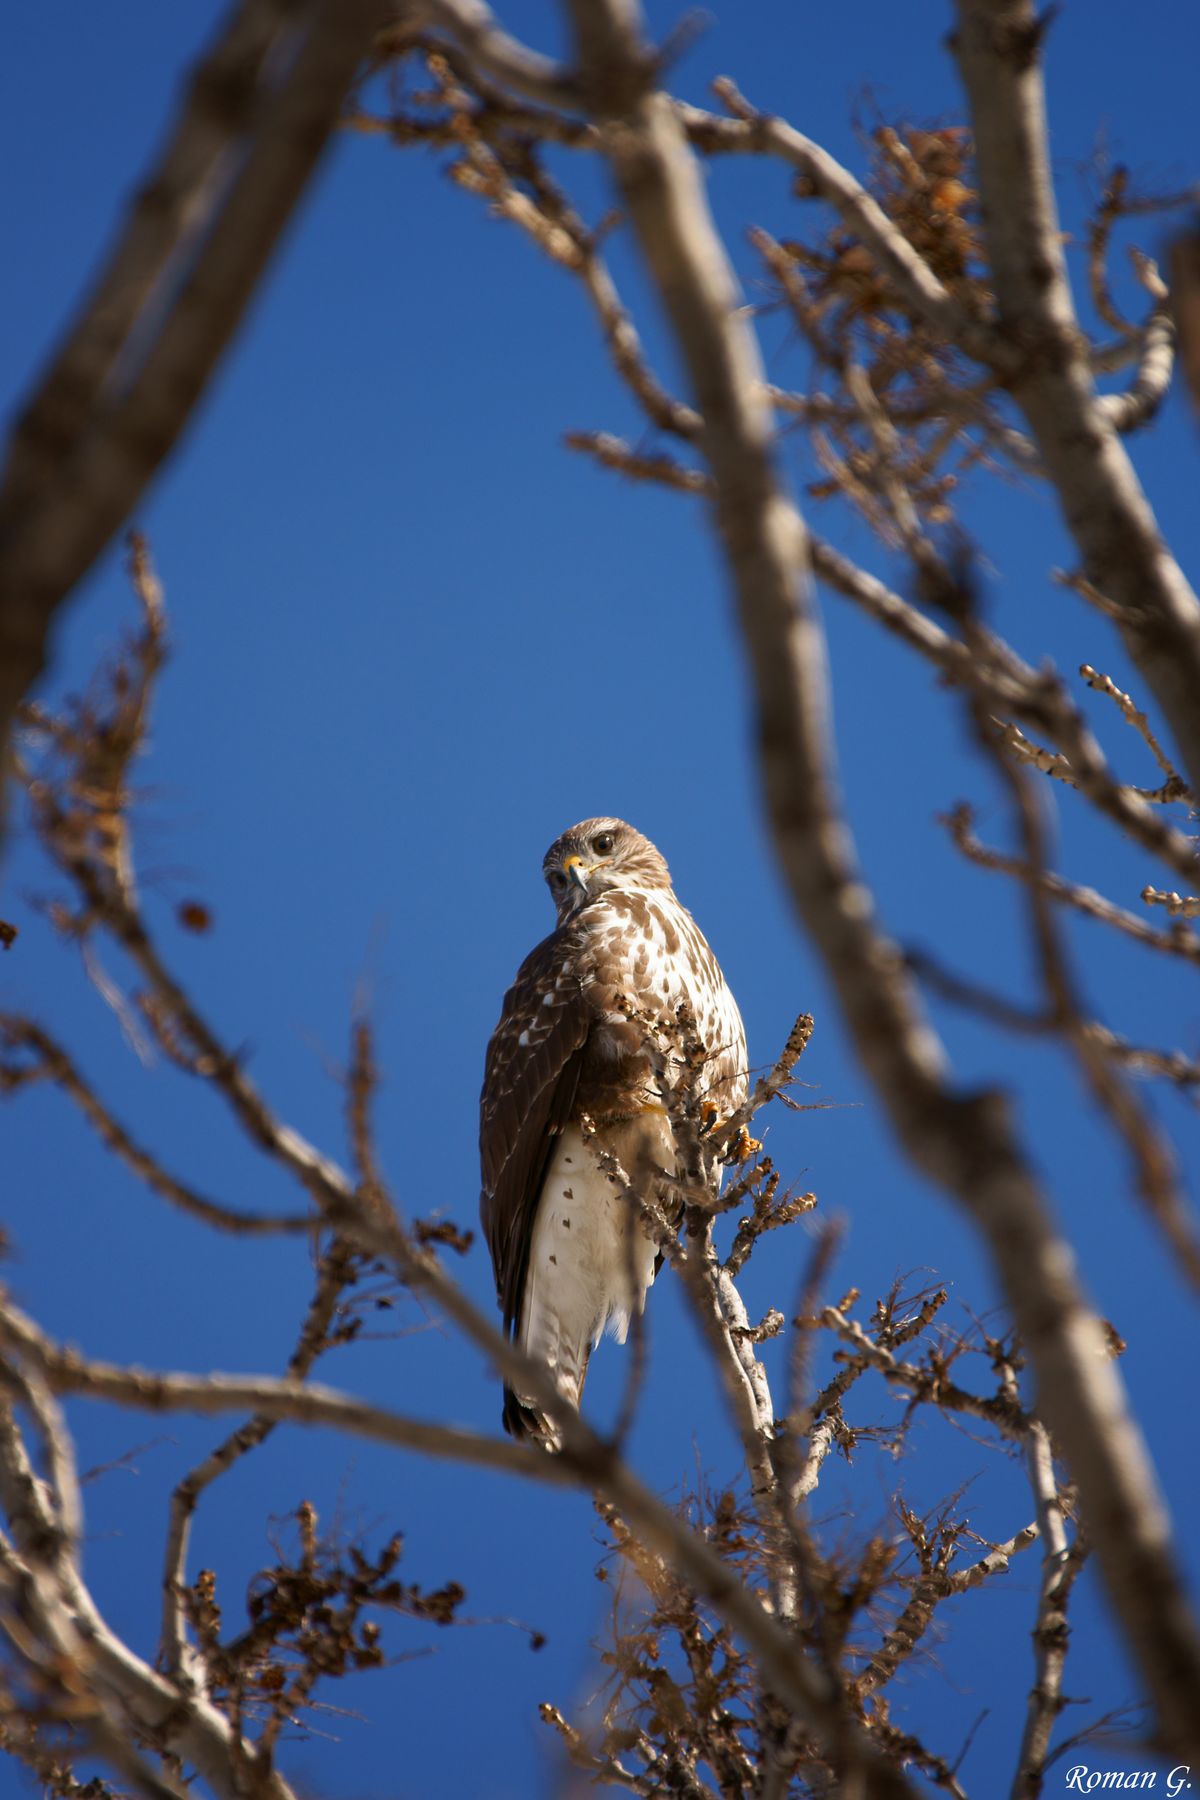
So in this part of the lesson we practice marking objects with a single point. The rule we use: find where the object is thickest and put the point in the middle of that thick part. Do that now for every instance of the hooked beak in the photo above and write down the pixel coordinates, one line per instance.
(577, 871)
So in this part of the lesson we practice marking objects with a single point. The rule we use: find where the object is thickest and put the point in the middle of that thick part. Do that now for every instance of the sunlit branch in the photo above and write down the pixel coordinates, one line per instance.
(998, 44)
(1061, 1564)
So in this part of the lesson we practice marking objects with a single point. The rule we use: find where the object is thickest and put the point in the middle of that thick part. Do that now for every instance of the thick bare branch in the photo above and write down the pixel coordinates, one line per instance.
(998, 45)
(1184, 270)
(164, 214)
(473, 26)
(112, 407)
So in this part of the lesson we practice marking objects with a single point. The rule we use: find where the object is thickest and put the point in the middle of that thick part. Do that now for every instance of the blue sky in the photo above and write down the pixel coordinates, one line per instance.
(413, 639)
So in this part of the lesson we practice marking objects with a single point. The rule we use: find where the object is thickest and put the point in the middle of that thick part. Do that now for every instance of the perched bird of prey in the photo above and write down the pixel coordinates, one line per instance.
(589, 1050)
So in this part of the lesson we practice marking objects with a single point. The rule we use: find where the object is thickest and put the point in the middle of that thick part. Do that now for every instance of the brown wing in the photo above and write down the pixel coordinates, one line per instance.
(529, 1087)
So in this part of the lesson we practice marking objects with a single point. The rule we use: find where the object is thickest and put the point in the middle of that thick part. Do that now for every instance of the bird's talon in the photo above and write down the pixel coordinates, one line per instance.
(744, 1146)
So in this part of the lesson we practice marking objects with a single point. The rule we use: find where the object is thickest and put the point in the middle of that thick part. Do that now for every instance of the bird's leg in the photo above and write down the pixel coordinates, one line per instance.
(675, 1193)
(743, 1147)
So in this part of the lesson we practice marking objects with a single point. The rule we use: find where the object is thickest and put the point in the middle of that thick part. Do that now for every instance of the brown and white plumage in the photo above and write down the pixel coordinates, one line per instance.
(584, 1059)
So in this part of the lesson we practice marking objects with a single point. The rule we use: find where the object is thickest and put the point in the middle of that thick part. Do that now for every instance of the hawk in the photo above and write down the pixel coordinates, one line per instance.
(585, 1059)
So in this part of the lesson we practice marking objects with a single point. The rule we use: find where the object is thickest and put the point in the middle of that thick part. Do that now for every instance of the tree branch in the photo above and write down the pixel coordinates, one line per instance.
(55, 1065)
(761, 134)
(113, 1693)
(998, 50)
(1061, 1563)
(1181, 941)
(124, 385)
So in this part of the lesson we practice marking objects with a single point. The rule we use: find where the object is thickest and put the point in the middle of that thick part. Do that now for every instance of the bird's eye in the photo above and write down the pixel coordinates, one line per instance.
(603, 844)
(557, 879)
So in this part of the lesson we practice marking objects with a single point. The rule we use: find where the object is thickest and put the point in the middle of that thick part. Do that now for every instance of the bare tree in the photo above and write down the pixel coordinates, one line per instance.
(753, 1651)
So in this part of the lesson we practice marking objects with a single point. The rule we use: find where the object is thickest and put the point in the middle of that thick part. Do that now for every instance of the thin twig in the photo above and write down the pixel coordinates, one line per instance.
(1177, 942)
(53, 1064)
(1180, 906)
(1104, 684)
(1152, 1158)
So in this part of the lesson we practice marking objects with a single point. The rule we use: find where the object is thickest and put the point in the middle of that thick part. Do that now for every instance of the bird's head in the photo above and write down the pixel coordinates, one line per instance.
(596, 855)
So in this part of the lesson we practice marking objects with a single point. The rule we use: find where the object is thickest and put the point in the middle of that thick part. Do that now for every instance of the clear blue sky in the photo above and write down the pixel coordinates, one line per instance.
(413, 639)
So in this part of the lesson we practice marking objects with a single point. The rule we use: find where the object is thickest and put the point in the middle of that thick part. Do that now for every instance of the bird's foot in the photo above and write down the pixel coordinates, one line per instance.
(743, 1147)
